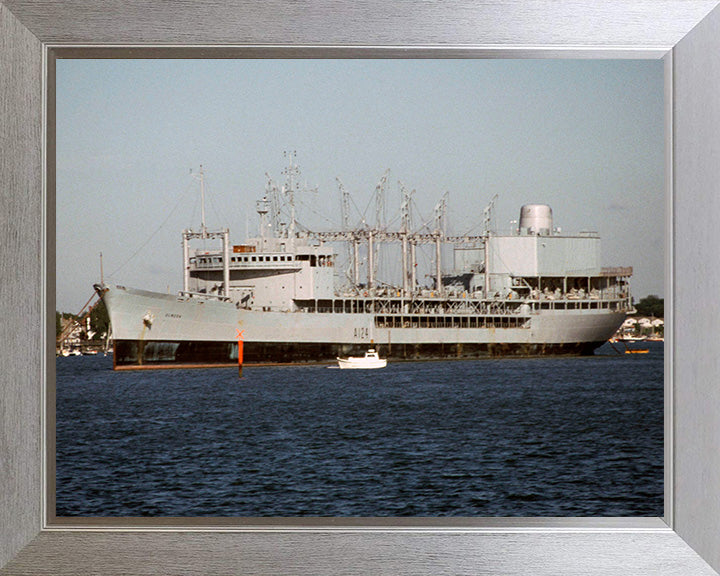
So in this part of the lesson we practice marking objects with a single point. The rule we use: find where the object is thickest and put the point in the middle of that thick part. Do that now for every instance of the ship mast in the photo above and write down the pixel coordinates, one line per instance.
(289, 189)
(440, 218)
(487, 224)
(201, 177)
(352, 248)
(373, 249)
(189, 234)
(262, 207)
(405, 218)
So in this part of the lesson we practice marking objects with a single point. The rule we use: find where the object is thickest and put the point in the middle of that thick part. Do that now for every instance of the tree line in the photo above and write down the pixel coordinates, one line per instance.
(99, 321)
(651, 306)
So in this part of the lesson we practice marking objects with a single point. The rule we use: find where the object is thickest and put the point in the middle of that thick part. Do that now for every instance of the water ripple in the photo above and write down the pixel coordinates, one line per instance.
(511, 437)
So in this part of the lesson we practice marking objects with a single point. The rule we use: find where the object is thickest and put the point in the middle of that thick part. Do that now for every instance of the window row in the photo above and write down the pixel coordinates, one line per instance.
(218, 259)
(452, 322)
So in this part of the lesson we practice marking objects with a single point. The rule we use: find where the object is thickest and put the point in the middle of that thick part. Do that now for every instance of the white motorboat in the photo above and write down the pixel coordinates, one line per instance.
(370, 360)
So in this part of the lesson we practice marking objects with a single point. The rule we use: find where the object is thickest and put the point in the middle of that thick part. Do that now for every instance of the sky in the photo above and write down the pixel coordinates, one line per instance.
(584, 136)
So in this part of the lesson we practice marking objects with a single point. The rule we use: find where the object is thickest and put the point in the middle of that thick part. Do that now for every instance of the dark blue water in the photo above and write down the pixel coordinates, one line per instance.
(510, 437)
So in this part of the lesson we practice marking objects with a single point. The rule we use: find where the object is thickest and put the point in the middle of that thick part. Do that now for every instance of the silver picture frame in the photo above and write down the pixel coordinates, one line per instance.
(685, 33)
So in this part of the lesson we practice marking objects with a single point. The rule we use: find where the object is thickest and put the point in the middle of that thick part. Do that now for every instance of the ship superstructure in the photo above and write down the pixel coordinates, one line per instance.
(530, 291)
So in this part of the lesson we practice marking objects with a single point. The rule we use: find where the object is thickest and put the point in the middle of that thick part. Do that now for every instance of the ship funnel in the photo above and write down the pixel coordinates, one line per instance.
(536, 219)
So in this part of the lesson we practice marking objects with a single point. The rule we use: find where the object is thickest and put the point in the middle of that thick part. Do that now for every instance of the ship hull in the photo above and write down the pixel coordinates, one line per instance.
(154, 329)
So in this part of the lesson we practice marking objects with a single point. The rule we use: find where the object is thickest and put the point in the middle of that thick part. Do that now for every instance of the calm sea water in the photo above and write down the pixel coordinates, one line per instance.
(509, 437)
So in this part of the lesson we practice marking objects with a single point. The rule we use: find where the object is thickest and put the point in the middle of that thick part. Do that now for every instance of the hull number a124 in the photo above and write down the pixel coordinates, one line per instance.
(361, 333)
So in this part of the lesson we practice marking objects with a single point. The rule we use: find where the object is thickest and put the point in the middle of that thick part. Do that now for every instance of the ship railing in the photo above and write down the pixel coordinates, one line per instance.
(202, 296)
(460, 306)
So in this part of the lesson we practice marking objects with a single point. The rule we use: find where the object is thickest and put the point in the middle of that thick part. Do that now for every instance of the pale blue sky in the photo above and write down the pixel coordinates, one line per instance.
(585, 136)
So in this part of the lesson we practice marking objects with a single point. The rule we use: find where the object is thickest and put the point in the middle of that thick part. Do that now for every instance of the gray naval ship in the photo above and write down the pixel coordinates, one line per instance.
(530, 291)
